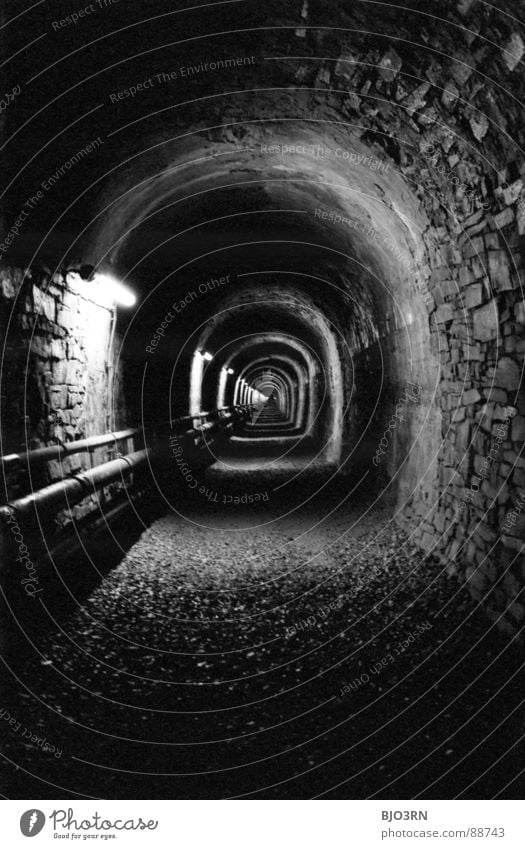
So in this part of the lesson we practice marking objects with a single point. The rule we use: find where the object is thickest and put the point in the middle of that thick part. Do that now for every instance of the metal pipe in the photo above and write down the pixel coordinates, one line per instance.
(43, 504)
(58, 452)
(74, 489)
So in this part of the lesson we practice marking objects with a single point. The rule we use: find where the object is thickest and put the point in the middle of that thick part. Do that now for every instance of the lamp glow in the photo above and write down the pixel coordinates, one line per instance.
(115, 289)
(110, 286)
(206, 356)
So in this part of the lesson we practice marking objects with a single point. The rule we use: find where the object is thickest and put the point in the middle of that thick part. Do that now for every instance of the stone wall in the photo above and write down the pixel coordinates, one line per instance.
(478, 319)
(54, 377)
(458, 139)
(476, 313)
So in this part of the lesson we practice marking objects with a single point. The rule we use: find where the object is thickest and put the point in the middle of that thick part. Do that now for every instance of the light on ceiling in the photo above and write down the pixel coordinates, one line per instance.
(206, 356)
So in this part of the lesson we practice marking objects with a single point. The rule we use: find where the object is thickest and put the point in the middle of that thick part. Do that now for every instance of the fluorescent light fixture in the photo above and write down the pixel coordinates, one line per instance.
(110, 286)
(206, 356)
(115, 289)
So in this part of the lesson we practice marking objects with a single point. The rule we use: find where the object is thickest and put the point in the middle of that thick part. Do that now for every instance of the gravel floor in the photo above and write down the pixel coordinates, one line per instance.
(261, 651)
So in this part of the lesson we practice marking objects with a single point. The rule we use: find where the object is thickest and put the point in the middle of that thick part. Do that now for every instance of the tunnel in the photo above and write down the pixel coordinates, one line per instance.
(262, 410)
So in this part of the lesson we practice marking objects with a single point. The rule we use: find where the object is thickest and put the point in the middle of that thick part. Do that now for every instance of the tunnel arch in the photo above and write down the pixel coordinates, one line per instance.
(304, 328)
(280, 349)
(365, 255)
(277, 378)
(406, 137)
(398, 285)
